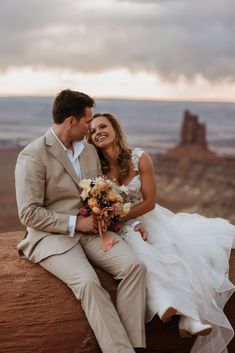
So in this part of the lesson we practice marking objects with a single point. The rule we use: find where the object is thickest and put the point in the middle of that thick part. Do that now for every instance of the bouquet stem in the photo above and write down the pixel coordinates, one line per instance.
(107, 241)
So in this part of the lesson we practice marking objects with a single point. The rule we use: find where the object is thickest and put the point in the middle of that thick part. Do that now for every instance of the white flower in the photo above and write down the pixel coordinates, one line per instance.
(124, 189)
(85, 184)
(126, 207)
(84, 195)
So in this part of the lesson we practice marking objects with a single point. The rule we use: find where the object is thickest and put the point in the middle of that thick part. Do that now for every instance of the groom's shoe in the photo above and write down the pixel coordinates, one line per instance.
(140, 350)
(166, 313)
(189, 327)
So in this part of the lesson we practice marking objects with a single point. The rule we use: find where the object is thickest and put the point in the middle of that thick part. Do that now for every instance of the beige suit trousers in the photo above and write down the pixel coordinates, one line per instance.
(118, 329)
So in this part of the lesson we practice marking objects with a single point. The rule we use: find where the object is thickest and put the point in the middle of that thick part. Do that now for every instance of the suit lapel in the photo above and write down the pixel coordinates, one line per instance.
(58, 152)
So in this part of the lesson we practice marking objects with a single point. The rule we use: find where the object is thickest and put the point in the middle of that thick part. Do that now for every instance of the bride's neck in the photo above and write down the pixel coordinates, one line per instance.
(111, 154)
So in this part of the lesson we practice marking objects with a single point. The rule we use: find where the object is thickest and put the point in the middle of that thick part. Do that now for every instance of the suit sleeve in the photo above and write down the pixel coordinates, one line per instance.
(30, 179)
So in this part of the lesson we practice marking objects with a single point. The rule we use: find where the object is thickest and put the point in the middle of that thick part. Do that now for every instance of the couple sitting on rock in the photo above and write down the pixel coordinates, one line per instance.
(176, 263)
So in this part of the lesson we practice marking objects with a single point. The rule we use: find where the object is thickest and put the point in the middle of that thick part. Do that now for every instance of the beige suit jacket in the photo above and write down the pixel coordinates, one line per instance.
(47, 193)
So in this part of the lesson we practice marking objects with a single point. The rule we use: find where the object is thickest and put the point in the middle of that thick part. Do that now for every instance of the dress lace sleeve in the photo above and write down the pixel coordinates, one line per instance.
(135, 156)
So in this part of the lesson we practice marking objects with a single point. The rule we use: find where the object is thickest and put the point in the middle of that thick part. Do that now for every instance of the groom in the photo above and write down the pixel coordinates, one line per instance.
(47, 174)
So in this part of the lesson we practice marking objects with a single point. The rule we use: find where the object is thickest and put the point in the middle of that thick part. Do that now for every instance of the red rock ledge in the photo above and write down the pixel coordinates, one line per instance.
(39, 314)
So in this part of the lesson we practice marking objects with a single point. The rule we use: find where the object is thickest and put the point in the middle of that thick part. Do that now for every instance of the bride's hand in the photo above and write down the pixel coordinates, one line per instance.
(143, 231)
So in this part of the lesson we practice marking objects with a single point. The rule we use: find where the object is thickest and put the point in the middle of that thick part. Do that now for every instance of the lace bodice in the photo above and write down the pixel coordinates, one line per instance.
(134, 184)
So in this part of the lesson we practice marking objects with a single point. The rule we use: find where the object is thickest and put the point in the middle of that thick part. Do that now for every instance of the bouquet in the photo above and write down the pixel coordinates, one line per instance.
(109, 202)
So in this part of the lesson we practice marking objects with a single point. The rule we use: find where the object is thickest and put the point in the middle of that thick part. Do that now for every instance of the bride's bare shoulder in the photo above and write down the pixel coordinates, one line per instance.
(145, 163)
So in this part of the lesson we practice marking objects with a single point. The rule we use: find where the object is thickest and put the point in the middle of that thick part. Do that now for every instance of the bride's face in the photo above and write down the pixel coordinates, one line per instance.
(102, 132)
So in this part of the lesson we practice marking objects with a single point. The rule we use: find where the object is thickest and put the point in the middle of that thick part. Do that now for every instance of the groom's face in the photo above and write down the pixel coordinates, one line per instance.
(83, 124)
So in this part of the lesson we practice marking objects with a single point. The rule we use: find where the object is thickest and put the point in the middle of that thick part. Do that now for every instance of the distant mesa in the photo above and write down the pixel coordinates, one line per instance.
(193, 143)
(190, 176)
(192, 147)
(193, 132)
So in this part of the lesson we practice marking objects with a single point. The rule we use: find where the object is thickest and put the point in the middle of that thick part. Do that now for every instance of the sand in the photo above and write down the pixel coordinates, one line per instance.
(8, 214)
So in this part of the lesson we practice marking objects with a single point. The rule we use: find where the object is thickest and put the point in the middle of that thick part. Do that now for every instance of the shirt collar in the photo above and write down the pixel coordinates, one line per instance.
(77, 148)
(77, 145)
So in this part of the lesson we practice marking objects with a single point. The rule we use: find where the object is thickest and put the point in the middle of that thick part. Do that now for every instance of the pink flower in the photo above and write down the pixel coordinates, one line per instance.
(116, 227)
(83, 211)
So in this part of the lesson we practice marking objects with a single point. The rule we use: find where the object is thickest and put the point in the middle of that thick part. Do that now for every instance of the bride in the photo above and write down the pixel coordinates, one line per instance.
(186, 255)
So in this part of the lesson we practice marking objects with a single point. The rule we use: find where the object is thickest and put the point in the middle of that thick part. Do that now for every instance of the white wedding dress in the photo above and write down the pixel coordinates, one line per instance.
(187, 258)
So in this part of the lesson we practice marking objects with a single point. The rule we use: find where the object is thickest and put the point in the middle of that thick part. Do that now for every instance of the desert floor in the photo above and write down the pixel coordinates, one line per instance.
(8, 211)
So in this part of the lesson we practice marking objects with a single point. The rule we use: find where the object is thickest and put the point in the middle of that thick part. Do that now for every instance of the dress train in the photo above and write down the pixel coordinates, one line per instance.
(187, 258)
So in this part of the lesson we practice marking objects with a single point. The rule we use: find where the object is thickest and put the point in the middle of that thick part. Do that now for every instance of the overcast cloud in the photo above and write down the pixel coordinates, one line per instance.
(170, 38)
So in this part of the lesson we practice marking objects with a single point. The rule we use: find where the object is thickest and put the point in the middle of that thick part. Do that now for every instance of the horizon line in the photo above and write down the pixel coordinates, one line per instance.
(150, 99)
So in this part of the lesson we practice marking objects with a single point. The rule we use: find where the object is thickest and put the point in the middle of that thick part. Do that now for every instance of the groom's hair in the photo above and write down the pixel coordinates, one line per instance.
(70, 103)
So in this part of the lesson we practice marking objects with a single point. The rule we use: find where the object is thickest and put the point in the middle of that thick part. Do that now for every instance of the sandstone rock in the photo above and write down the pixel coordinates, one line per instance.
(190, 176)
(192, 146)
(39, 314)
(207, 187)
(193, 132)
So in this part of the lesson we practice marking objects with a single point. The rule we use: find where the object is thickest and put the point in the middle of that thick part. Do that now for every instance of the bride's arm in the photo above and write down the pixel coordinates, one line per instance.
(148, 188)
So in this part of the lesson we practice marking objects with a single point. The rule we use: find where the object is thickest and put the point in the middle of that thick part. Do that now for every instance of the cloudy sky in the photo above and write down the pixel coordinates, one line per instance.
(154, 49)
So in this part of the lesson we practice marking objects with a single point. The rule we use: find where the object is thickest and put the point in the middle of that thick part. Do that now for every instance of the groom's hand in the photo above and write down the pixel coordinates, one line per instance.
(143, 231)
(87, 224)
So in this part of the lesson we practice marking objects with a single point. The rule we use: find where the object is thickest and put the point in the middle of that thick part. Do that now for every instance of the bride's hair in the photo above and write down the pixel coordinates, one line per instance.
(124, 152)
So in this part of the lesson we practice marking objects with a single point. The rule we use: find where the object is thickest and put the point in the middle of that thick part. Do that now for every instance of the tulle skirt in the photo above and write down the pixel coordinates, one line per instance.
(187, 258)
